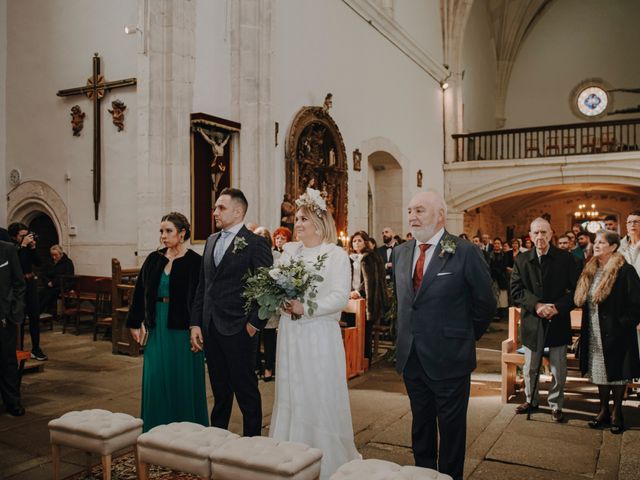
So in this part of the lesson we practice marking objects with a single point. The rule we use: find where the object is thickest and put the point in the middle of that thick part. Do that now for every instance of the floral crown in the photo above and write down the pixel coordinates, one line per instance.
(314, 200)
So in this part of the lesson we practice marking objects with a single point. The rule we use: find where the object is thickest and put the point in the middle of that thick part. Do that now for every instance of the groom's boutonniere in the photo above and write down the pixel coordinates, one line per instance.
(239, 243)
(447, 245)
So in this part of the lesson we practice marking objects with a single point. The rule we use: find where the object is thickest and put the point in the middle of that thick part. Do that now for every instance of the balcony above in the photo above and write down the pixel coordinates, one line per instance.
(549, 141)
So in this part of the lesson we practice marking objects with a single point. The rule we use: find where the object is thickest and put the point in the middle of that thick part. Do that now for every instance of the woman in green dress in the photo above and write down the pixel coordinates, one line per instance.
(173, 377)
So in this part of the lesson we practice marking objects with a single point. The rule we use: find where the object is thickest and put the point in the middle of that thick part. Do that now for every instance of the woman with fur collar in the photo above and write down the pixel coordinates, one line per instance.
(609, 293)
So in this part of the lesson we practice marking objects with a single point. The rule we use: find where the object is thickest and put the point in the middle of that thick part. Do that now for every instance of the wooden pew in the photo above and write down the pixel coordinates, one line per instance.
(79, 294)
(353, 338)
(123, 282)
(511, 358)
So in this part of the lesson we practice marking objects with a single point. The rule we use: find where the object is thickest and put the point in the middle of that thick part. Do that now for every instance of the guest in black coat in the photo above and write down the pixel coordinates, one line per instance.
(368, 282)
(173, 377)
(12, 288)
(62, 266)
(609, 293)
(543, 282)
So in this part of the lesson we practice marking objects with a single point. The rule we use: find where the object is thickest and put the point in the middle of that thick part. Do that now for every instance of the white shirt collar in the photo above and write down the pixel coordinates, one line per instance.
(235, 229)
(433, 240)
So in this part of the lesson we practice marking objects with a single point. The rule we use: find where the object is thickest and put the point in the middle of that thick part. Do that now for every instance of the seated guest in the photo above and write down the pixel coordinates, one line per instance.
(173, 388)
(607, 291)
(368, 282)
(61, 266)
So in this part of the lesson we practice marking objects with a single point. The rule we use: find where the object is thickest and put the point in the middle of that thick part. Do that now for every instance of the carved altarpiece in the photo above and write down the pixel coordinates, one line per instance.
(316, 157)
(211, 154)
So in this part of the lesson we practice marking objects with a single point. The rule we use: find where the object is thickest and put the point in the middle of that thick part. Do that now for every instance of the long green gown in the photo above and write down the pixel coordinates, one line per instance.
(173, 381)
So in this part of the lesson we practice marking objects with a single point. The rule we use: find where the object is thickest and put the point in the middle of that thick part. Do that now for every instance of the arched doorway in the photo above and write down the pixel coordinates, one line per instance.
(386, 184)
(47, 235)
(512, 213)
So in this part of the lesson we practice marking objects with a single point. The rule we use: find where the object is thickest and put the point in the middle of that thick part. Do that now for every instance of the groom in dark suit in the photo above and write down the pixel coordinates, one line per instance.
(218, 321)
(445, 303)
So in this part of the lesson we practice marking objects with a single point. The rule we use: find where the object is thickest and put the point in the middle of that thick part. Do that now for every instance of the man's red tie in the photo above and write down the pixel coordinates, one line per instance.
(418, 273)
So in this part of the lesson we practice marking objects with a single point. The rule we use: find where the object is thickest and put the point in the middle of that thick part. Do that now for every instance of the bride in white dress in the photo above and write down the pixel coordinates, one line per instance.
(311, 403)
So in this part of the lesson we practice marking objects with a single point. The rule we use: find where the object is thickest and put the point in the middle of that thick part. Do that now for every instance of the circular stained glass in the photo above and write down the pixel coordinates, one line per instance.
(592, 101)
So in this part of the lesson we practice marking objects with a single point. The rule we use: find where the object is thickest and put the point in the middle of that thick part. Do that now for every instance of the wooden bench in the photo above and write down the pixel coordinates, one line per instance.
(123, 282)
(511, 358)
(353, 338)
(79, 295)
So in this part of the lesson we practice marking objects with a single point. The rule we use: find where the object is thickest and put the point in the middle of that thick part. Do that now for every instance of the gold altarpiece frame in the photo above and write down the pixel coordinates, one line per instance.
(316, 157)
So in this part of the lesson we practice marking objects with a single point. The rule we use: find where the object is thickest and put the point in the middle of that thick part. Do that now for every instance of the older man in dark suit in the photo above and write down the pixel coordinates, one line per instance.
(12, 289)
(219, 323)
(543, 281)
(445, 303)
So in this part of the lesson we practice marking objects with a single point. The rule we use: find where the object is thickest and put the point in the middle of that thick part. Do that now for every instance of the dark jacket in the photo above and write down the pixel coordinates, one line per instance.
(552, 282)
(618, 315)
(382, 253)
(452, 308)
(54, 271)
(28, 258)
(498, 263)
(219, 299)
(183, 282)
(374, 291)
(12, 285)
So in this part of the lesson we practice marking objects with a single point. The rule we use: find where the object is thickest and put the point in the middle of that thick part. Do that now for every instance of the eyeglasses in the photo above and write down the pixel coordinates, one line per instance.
(633, 222)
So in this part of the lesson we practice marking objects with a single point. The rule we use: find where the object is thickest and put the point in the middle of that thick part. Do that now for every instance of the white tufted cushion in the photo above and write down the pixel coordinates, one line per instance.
(373, 469)
(263, 458)
(97, 431)
(182, 446)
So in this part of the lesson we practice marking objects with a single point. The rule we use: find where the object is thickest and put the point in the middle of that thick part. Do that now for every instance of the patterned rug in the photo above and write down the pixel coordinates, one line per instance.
(124, 468)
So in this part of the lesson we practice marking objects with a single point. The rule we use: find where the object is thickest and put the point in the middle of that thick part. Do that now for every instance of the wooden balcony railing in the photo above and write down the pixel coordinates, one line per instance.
(549, 141)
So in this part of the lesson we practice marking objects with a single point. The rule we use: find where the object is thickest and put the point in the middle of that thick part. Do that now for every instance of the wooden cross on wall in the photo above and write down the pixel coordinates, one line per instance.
(95, 89)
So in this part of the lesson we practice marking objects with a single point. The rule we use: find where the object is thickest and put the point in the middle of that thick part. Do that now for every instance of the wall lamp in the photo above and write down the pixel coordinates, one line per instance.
(131, 29)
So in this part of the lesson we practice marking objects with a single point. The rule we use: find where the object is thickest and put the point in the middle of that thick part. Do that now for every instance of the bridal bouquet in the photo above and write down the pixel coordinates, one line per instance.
(271, 287)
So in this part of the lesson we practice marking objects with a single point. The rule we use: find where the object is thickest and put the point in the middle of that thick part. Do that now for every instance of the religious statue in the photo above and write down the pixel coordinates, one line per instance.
(287, 212)
(332, 157)
(117, 114)
(77, 120)
(328, 103)
(419, 179)
(218, 141)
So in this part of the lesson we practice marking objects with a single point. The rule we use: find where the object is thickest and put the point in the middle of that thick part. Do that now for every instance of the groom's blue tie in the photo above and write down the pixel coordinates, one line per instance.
(218, 251)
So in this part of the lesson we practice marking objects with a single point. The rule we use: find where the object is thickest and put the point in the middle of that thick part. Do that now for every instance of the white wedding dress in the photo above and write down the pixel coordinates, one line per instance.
(311, 403)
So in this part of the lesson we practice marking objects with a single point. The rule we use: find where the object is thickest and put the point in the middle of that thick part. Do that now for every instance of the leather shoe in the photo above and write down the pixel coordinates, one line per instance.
(17, 411)
(557, 415)
(617, 429)
(596, 422)
(524, 408)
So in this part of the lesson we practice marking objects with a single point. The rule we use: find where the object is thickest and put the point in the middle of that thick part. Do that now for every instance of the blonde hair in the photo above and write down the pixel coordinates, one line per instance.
(325, 226)
(57, 248)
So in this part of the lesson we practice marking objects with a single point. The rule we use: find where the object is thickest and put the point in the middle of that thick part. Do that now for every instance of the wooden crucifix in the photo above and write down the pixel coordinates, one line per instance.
(95, 89)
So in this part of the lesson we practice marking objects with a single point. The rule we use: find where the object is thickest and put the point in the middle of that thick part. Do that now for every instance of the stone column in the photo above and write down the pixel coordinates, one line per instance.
(455, 222)
(255, 166)
(166, 69)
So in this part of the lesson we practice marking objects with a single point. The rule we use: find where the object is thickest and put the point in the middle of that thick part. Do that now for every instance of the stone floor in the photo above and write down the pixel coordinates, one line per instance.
(500, 445)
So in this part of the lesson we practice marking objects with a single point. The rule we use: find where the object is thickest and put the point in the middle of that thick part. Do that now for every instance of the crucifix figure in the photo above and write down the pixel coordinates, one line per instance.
(95, 89)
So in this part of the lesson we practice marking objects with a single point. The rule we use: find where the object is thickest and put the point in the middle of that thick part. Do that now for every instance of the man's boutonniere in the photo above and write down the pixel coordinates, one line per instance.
(447, 245)
(239, 243)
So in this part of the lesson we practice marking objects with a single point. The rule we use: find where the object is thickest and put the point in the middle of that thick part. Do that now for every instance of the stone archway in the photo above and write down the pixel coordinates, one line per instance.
(387, 202)
(33, 198)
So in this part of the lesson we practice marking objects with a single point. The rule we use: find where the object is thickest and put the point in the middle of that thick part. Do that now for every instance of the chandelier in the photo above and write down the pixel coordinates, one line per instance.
(583, 213)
